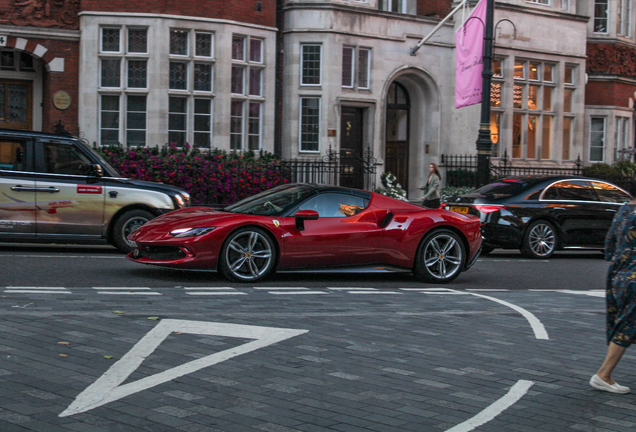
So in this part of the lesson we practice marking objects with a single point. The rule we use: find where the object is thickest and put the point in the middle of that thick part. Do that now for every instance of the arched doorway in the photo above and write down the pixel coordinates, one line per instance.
(398, 108)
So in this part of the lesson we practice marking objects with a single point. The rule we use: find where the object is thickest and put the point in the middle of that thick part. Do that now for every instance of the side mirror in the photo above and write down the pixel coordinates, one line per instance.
(304, 215)
(95, 170)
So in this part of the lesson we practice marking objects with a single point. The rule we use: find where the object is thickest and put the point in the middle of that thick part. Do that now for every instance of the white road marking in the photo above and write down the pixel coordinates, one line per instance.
(538, 328)
(36, 290)
(515, 393)
(487, 289)
(591, 293)
(351, 289)
(145, 291)
(280, 288)
(107, 388)
(217, 293)
(209, 288)
(374, 292)
(296, 292)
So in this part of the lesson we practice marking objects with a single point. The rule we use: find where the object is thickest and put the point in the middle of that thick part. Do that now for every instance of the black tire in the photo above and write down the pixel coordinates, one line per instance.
(126, 224)
(540, 240)
(440, 258)
(247, 255)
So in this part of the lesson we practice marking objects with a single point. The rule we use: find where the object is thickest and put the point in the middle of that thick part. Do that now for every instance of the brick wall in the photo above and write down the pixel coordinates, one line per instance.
(436, 8)
(609, 93)
(242, 10)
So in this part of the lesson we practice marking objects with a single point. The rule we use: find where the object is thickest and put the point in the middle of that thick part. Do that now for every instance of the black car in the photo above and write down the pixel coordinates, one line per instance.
(542, 214)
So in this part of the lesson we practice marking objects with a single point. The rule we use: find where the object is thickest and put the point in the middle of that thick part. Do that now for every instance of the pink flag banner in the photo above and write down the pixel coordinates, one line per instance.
(469, 52)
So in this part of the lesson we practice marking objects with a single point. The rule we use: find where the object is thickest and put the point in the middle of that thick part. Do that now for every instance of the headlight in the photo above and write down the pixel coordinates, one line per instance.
(180, 201)
(191, 232)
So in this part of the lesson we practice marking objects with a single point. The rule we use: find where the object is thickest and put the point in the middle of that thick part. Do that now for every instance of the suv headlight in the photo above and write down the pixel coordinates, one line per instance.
(191, 232)
(182, 200)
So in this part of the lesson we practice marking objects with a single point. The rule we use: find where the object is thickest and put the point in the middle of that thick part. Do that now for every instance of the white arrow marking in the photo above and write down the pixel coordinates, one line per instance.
(107, 388)
(516, 392)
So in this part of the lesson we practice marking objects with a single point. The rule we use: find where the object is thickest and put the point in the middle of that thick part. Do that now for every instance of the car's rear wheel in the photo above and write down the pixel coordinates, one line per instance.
(440, 257)
(248, 255)
(540, 240)
(127, 223)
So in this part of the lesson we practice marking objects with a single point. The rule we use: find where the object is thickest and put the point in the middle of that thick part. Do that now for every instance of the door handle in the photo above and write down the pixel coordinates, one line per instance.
(50, 189)
(20, 188)
(612, 210)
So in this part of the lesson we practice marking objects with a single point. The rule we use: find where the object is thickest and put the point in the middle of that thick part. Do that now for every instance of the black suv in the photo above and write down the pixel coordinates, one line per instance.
(54, 188)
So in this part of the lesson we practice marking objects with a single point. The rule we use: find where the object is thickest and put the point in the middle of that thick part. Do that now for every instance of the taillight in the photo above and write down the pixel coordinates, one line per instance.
(488, 208)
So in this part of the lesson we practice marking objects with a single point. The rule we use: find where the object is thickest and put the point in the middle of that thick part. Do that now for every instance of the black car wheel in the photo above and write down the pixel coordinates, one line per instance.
(248, 255)
(125, 225)
(540, 240)
(440, 257)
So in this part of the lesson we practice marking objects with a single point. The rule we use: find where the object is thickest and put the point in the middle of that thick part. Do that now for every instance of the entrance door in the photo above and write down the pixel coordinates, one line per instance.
(16, 104)
(397, 134)
(351, 167)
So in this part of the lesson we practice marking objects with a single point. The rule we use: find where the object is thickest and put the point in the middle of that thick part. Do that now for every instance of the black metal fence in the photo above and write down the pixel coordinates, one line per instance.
(461, 170)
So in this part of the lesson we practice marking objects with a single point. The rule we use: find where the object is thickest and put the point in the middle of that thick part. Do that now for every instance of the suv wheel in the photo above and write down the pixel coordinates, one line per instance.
(125, 225)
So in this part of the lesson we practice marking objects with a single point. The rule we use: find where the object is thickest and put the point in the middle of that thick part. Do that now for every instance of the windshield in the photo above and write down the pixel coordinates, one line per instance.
(273, 202)
(502, 188)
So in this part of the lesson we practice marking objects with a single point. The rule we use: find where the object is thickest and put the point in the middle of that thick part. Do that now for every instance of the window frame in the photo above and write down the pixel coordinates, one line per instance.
(603, 138)
(318, 125)
(303, 61)
(597, 20)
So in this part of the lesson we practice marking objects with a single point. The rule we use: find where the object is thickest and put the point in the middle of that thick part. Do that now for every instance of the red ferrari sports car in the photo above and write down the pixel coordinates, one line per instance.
(306, 226)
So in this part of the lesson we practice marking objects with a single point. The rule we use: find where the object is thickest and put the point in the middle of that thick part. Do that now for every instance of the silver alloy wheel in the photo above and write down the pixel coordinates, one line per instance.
(443, 256)
(131, 225)
(541, 239)
(249, 255)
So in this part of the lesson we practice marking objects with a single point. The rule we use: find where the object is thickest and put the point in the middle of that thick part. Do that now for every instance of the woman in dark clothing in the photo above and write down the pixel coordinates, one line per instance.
(620, 249)
(431, 196)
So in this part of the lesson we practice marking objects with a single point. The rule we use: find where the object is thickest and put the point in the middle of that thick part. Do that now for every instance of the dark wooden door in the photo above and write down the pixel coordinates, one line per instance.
(351, 166)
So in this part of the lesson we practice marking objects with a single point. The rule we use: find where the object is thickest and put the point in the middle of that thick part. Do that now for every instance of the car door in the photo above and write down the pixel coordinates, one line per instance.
(69, 202)
(572, 203)
(17, 188)
(346, 233)
(609, 200)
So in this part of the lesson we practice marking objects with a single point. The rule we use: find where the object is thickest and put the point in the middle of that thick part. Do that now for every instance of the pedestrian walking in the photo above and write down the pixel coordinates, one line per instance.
(431, 198)
(620, 250)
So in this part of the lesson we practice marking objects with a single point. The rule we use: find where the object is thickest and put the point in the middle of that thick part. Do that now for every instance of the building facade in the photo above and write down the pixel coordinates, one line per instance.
(315, 78)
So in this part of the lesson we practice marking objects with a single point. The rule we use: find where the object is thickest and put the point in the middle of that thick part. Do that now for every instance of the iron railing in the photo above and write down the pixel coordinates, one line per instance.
(461, 170)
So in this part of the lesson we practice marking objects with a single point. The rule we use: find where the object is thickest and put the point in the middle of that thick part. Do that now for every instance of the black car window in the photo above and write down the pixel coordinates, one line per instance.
(65, 159)
(13, 155)
(272, 202)
(609, 193)
(335, 205)
(570, 190)
(503, 188)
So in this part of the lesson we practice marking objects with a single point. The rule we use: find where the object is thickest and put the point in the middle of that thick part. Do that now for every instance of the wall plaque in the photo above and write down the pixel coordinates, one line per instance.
(61, 100)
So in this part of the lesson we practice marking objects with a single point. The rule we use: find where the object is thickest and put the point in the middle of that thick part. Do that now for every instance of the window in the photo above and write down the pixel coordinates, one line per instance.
(543, 2)
(565, 5)
(191, 83)
(625, 17)
(496, 109)
(65, 159)
(246, 112)
(310, 64)
(335, 205)
(567, 138)
(610, 193)
(393, 5)
(601, 9)
(597, 139)
(136, 120)
(571, 190)
(352, 62)
(533, 116)
(621, 139)
(123, 72)
(109, 120)
(310, 124)
(13, 156)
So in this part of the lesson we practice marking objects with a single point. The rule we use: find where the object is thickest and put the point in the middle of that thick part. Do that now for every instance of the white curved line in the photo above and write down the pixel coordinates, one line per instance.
(515, 393)
(538, 328)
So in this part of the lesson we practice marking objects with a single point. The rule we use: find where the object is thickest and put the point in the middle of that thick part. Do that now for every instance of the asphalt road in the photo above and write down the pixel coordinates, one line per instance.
(91, 342)
(78, 266)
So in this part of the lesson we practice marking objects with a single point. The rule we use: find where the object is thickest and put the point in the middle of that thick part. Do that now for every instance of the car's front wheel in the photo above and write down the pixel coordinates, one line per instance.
(440, 257)
(540, 240)
(125, 225)
(248, 255)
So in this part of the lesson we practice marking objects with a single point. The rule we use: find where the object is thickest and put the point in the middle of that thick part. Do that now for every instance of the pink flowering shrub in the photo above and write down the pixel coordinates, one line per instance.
(215, 178)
